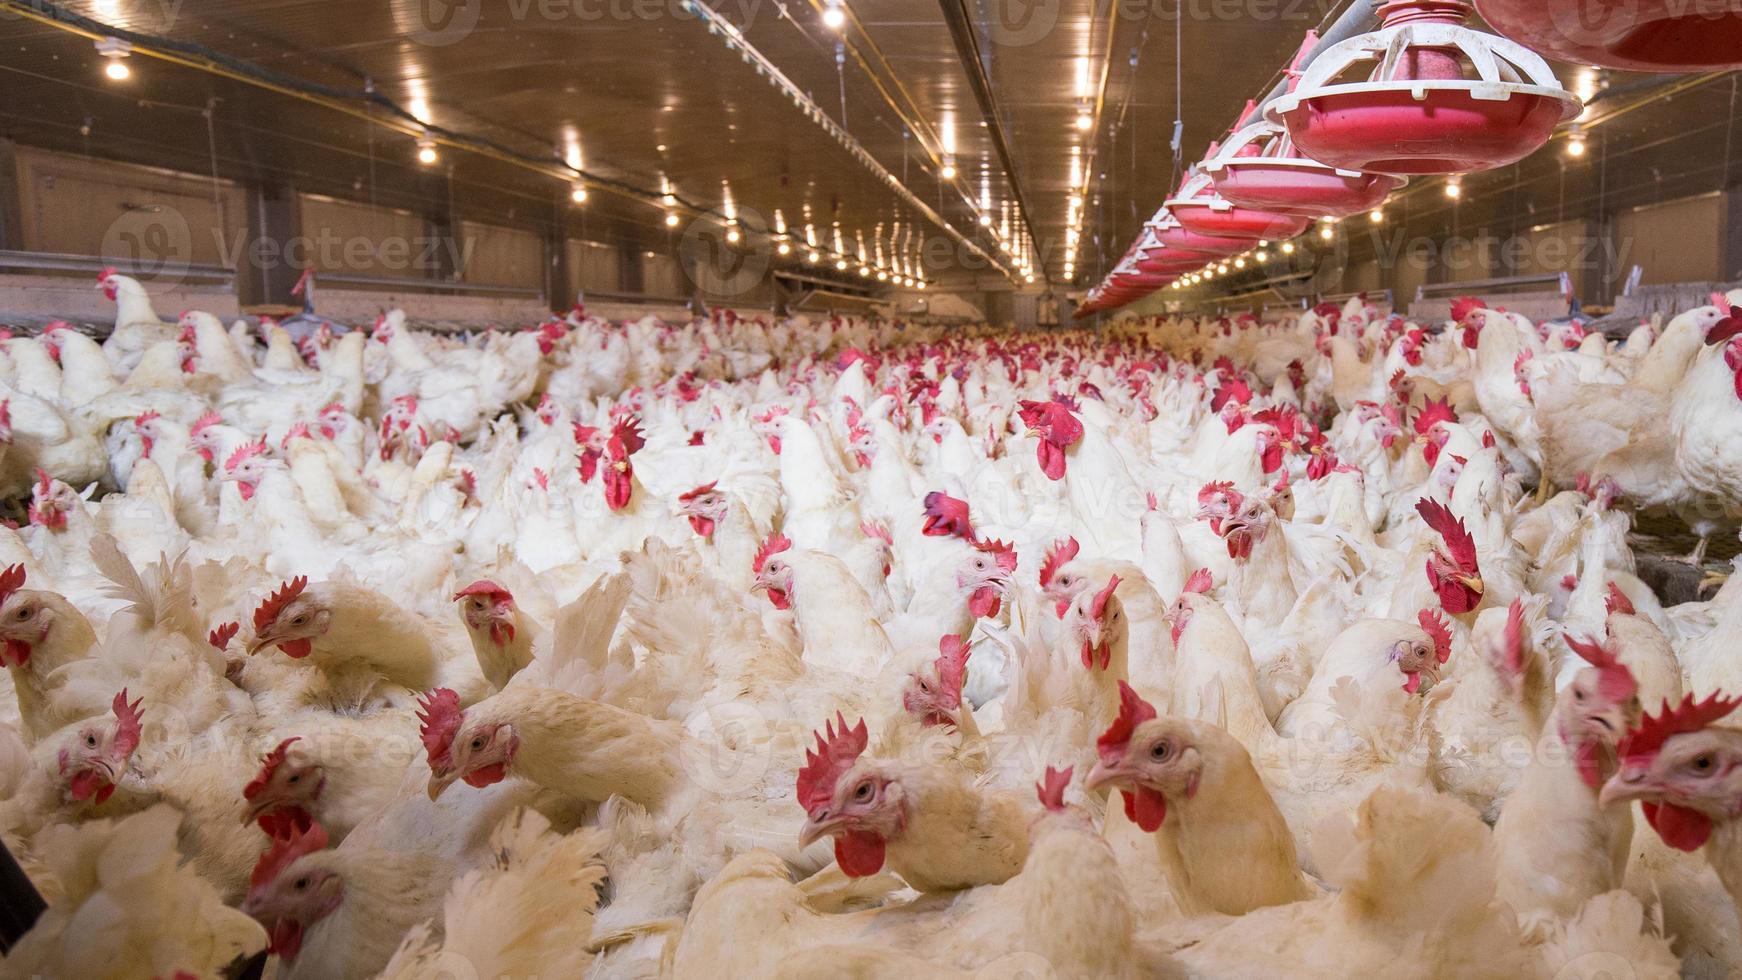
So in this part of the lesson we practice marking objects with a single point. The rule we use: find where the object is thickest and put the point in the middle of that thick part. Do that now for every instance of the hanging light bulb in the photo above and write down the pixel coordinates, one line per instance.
(1288, 248)
(1240, 263)
(1377, 215)
(426, 151)
(834, 18)
(841, 265)
(1455, 187)
(783, 249)
(948, 170)
(578, 194)
(1576, 141)
(1328, 231)
(985, 221)
(671, 219)
(1084, 119)
(813, 257)
(1261, 255)
(732, 235)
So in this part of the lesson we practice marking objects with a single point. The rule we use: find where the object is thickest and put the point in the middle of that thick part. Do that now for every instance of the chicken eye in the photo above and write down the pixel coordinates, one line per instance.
(1703, 763)
(294, 777)
(22, 614)
(1578, 695)
(477, 742)
(90, 740)
(299, 620)
(302, 883)
(1160, 751)
(863, 792)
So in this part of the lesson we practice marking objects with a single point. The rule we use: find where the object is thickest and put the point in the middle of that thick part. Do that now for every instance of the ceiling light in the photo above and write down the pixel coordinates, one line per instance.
(1576, 141)
(948, 170)
(834, 18)
(1240, 263)
(865, 271)
(986, 221)
(841, 265)
(732, 235)
(1084, 119)
(1377, 215)
(1288, 248)
(1455, 187)
(113, 50)
(783, 249)
(426, 151)
(578, 195)
(671, 219)
(1327, 232)
(813, 257)
(1261, 255)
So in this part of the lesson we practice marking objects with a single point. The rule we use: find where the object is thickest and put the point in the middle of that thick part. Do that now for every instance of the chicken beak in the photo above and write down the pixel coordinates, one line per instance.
(816, 829)
(439, 782)
(1627, 785)
(1105, 775)
(1471, 582)
(255, 809)
(260, 642)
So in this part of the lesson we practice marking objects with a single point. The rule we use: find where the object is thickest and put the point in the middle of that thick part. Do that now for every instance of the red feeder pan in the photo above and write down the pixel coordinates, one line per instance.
(1180, 241)
(1633, 35)
(1200, 210)
(1259, 168)
(1417, 112)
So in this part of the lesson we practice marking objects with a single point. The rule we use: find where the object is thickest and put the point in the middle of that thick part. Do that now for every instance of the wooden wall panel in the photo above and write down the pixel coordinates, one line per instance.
(492, 255)
(77, 206)
(1678, 241)
(352, 238)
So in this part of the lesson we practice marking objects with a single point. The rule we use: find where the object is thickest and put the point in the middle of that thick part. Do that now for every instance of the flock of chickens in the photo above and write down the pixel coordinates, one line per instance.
(1208, 648)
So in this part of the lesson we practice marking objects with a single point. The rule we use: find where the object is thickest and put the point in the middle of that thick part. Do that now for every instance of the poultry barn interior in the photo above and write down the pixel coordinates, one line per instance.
(870, 488)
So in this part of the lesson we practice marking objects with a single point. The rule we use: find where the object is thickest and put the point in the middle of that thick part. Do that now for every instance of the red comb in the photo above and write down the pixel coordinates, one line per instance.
(626, 438)
(775, 544)
(1614, 680)
(127, 723)
(1433, 413)
(441, 717)
(1098, 605)
(1464, 305)
(44, 482)
(1439, 630)
(11, 580)
(268, 765)
(1722, 302)
(702, 490)
(1689, 716)
(243, 453)
(484, 587)
(268, 611)
(1199, 581)
(221, 636)
(945, 516)
(1005, 554)
(1052, 788)
(1450, 528)
(1133, 711)
(1617, 601)
(208, 419)
(1062, 550)
(284, 852)
(833, 756)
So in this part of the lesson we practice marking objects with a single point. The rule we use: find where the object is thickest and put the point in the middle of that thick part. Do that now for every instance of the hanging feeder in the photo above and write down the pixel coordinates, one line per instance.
(1259, 168)
(1172, 236)
(1436, 97)
(1200, 210)
(1632, 35)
